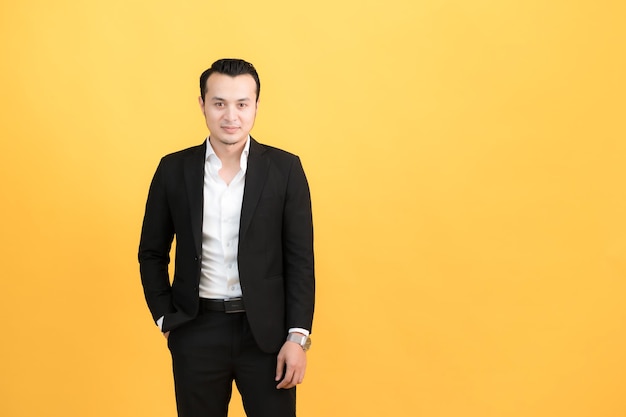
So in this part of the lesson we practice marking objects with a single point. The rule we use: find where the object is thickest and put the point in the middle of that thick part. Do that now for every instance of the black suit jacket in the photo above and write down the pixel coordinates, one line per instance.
(275, 254)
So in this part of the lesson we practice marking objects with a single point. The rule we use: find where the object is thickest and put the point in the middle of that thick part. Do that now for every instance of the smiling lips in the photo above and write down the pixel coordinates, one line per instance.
(230, 129)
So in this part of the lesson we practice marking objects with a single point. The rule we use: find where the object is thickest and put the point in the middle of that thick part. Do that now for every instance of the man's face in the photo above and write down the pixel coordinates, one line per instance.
(229, 107)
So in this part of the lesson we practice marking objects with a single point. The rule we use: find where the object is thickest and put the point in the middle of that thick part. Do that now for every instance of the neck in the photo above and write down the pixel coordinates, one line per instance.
(228, 152)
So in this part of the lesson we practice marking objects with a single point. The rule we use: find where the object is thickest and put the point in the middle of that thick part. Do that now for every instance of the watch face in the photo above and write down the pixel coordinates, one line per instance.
(302, 340)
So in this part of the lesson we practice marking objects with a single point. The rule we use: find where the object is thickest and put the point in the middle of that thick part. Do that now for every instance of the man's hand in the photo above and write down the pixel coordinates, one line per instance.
(166, 334)
(291, 362)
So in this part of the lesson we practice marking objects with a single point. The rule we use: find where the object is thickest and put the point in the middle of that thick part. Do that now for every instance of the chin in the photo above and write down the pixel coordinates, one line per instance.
(231, 141)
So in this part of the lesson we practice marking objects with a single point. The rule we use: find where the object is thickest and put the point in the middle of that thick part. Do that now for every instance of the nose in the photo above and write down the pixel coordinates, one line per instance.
(231, 113)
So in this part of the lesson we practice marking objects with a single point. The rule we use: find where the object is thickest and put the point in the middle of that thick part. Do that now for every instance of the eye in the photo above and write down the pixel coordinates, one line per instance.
(242, 105)
(219, 104)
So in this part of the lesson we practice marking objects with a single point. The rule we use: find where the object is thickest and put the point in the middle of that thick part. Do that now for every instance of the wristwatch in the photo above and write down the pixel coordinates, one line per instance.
(302, 340)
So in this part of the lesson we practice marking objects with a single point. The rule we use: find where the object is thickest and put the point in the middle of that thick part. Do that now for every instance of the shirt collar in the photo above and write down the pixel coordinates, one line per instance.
(212, 157)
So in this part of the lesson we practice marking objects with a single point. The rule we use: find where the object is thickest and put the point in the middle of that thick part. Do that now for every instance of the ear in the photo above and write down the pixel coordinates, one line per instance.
(201, 102)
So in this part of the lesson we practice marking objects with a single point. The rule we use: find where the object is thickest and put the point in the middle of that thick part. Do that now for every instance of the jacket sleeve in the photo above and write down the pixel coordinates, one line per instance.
(157, 234)
(298, 260)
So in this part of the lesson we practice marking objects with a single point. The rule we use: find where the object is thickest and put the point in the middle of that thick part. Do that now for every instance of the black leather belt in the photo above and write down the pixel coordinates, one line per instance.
(230, 305)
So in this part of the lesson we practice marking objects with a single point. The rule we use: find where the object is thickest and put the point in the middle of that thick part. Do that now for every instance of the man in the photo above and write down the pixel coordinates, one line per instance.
(240, 305)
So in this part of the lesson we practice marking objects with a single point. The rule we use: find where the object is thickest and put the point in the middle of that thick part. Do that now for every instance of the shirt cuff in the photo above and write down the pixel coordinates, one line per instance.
(299, 330)
(159, 323)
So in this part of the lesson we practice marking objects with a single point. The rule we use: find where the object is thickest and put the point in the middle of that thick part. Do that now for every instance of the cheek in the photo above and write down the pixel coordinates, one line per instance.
(212, 117)
(250, 117)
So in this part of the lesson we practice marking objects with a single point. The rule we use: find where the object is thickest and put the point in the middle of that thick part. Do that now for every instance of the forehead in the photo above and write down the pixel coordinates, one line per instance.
(226, 87)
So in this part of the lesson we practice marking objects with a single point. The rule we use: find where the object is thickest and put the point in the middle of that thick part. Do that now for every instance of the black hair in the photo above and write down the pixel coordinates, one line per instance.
(232, 67)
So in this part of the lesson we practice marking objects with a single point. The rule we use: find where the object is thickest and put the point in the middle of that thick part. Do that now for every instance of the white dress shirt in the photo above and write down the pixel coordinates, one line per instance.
(219, 274)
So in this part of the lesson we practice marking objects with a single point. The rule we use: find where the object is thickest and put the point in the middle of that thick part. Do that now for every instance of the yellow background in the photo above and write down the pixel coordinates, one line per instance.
(467, 162)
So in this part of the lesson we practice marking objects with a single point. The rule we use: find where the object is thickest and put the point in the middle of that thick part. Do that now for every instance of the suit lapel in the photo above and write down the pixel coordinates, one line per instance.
(194, 181)
(256, 174)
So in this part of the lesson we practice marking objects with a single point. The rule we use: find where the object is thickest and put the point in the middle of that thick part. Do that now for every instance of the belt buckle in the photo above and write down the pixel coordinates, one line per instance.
(234, 305)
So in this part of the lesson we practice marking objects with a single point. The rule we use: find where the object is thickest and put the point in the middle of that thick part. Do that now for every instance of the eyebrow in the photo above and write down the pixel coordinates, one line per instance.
(223, 99)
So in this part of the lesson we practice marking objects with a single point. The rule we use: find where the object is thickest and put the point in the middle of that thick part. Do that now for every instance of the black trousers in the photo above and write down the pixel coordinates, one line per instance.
(211, 352)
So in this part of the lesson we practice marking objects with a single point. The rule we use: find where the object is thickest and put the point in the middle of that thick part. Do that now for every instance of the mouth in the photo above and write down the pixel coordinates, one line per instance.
(230, 128)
